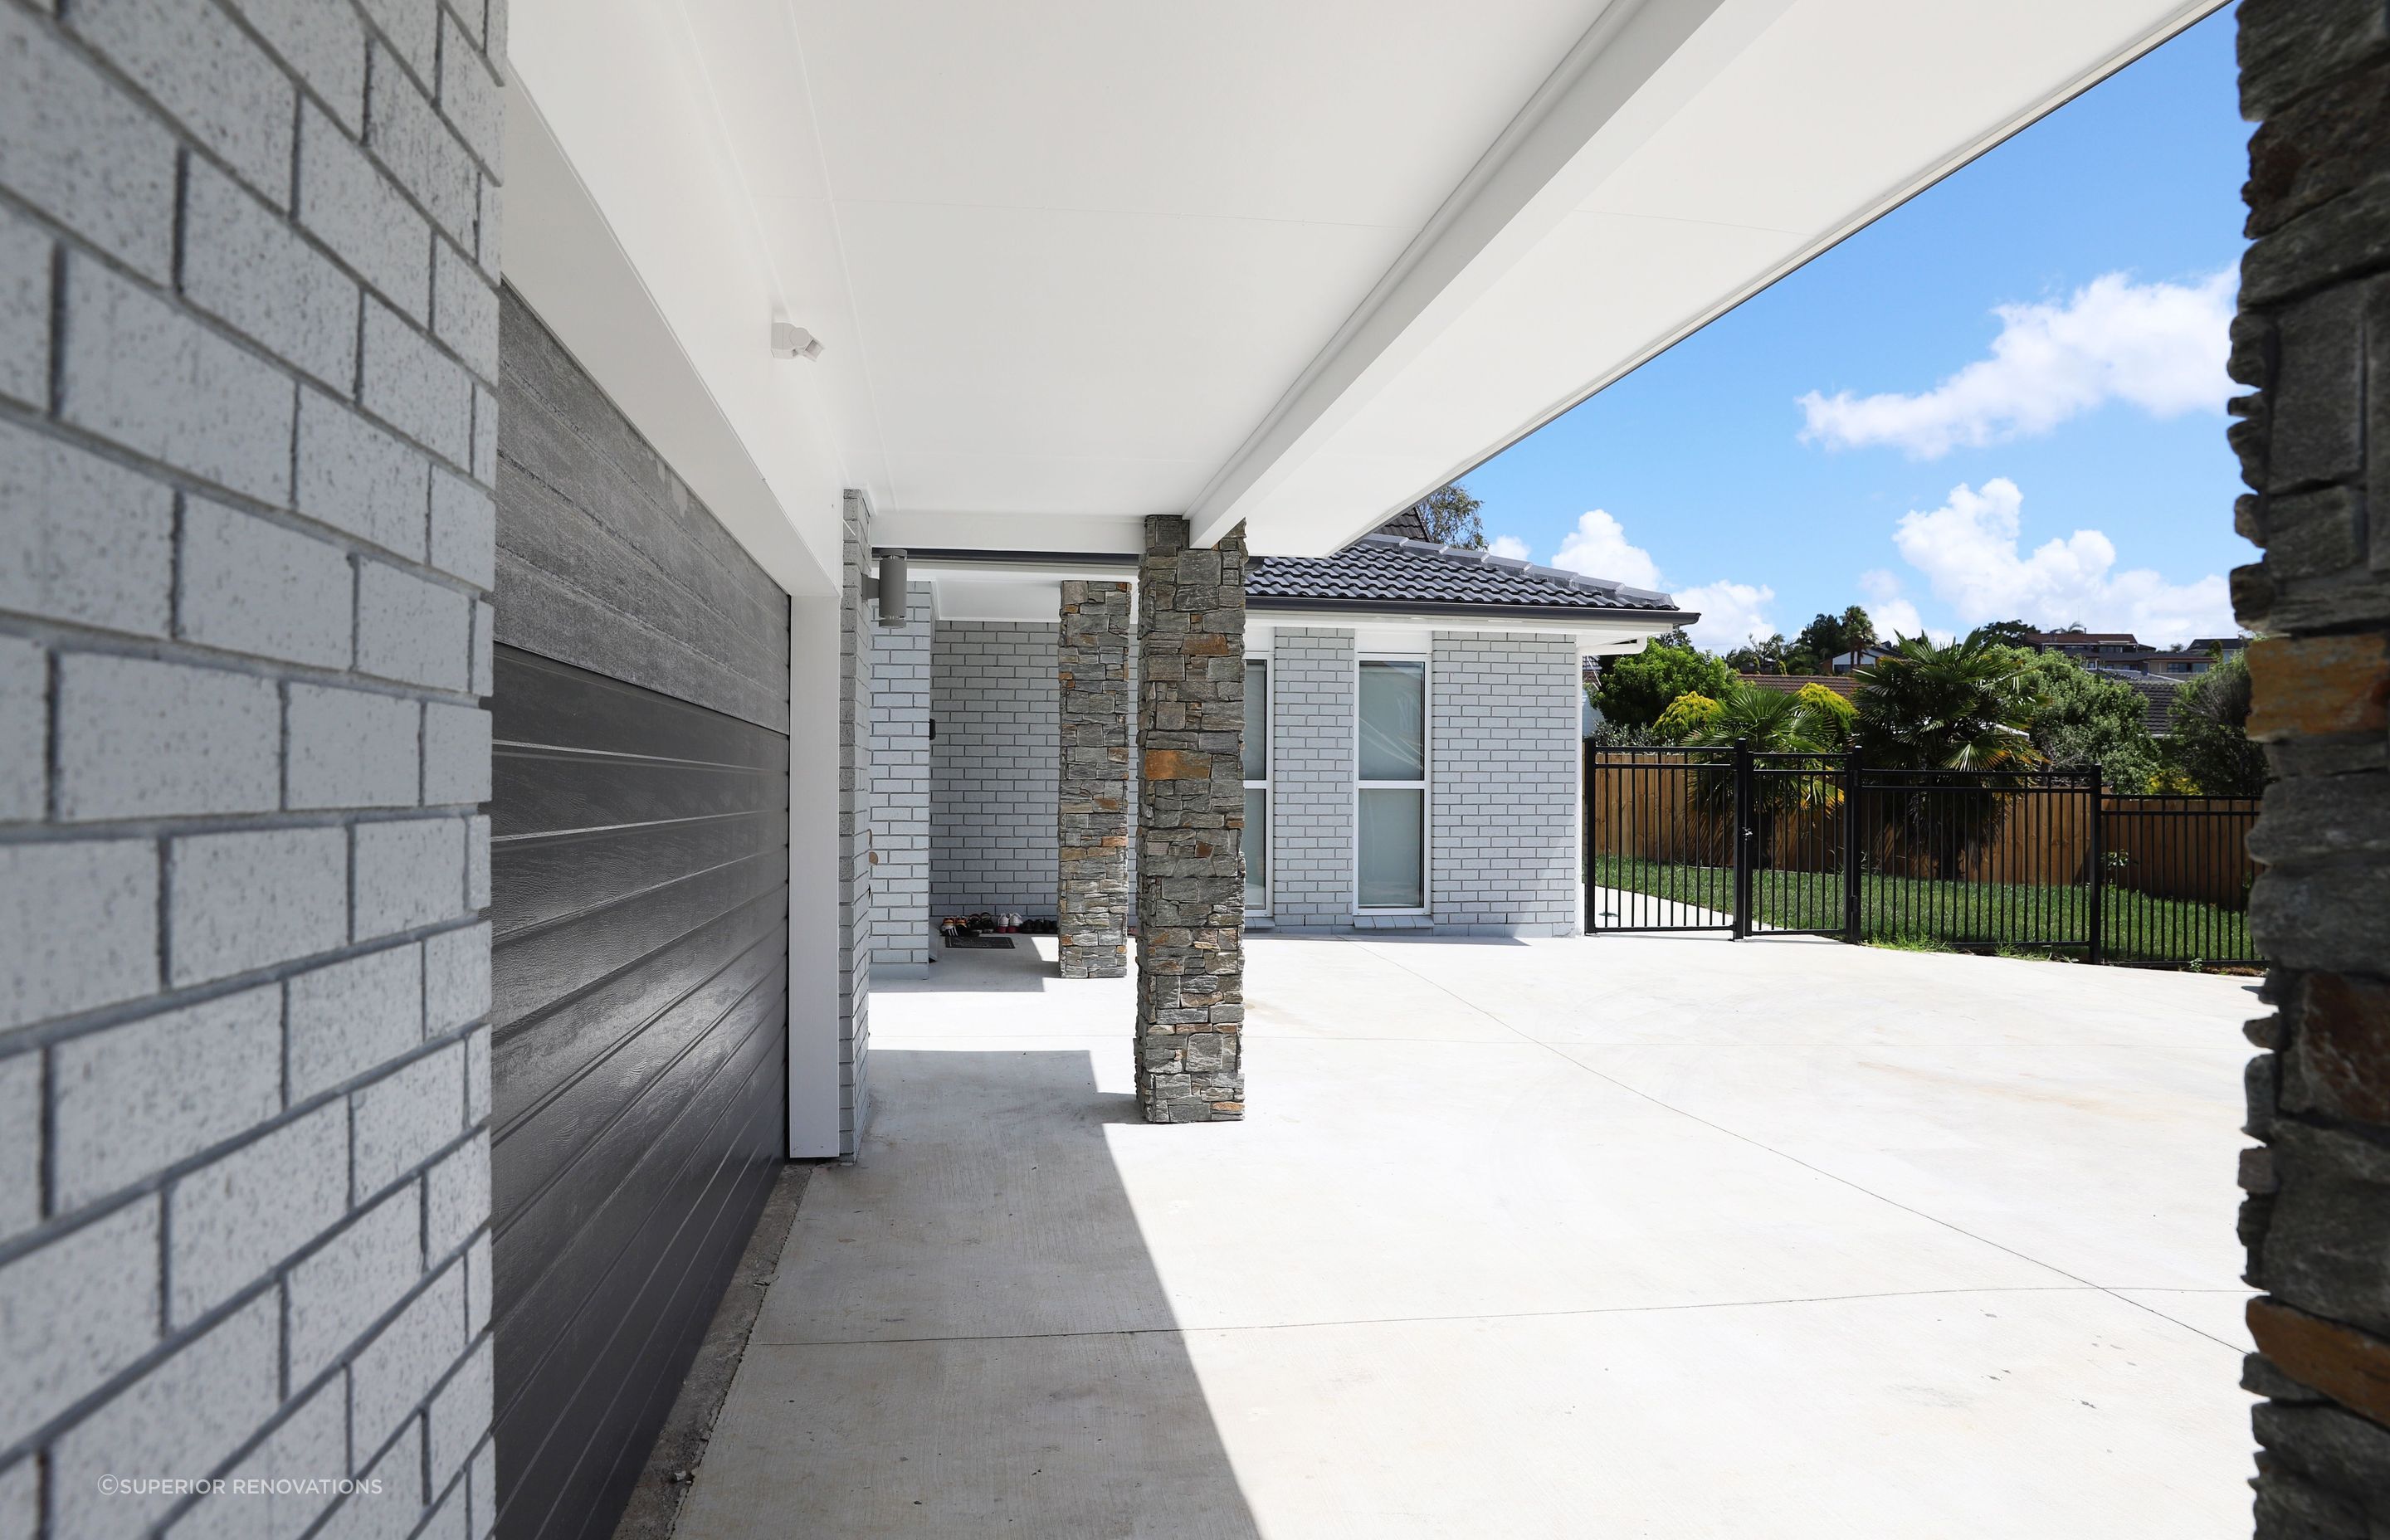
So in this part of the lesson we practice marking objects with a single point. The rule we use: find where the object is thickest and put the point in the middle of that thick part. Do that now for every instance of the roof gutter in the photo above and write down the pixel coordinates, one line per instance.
(1564, 617)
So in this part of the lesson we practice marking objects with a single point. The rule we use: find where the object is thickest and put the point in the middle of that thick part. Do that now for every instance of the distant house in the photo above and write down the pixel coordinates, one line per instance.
(2123, 650)
(1866, 657)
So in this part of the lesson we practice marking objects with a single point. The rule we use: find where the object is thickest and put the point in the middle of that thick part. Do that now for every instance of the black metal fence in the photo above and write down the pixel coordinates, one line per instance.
(2030, 861)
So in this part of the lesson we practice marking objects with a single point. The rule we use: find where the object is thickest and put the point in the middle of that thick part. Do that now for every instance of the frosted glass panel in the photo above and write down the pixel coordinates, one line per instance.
(1391, 833)
(1257, 848)
(1394, 721)
(1257, 723)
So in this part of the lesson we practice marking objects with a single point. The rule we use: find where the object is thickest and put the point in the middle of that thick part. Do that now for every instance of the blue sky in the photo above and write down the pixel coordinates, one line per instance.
(2035, 344)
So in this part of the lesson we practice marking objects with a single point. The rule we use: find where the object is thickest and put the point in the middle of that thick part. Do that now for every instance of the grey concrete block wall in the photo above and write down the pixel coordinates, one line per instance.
(1502, 786)
(244, 539)
(1312, 689)
(855, 895)
(994, 773)
(900, 785)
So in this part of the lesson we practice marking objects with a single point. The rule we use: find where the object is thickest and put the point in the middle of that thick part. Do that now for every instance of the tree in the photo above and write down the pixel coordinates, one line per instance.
(1961, 708)
(1687, 717)
(1831, 718)
(2087, 720)
(2008, 633)
(2209, 745)
(1450, 515)
(1827, 637)
(1767, 722)
(1637, 688)
(1765, 657)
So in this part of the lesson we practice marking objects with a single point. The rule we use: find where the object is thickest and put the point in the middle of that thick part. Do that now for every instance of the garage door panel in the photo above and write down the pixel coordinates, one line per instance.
(713, 619)
(592, 791)
(649, 1321)
(639, 906)
(540, 613)
(541, 701)
(550, 876)
(542, 1050)
(561, 1143)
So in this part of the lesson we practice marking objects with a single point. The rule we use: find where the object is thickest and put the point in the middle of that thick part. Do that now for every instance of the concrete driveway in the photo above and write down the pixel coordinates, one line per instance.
(1596, 1237)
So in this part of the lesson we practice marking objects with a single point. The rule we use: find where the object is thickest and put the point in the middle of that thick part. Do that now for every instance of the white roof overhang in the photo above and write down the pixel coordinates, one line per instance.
(1075, 262)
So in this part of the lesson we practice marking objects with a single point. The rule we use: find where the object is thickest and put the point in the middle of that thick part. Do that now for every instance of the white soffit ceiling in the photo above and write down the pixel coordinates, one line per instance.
(1078, 261)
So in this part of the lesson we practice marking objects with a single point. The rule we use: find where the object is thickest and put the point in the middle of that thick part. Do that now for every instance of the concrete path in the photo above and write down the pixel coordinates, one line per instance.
(1601, 1236)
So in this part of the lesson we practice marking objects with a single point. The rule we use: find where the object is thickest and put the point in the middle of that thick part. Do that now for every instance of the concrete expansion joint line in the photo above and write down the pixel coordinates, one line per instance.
(1184, 1330)
(1378, 950)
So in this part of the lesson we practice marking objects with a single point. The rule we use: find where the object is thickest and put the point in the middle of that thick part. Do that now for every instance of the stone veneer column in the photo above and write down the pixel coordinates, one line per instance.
(1190, 867)
(2313, 338)
(1091, 830)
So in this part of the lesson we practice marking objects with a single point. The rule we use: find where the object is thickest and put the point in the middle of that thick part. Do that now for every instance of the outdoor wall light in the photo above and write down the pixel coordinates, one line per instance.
(790, 340)
(888, 588)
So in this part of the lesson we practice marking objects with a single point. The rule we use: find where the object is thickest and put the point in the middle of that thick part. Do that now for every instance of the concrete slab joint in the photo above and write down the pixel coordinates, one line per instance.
(1190, 871)
(1091, 817)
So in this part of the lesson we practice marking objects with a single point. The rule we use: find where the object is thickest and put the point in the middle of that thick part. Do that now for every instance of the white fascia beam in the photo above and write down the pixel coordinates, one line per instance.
(1121, 534)
(1640, 62)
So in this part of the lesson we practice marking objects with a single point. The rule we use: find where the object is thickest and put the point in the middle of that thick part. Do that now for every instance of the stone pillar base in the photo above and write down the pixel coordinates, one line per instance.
(1191, 868)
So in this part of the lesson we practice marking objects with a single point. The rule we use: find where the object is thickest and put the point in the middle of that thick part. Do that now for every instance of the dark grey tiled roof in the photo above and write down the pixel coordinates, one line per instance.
(1380, 570)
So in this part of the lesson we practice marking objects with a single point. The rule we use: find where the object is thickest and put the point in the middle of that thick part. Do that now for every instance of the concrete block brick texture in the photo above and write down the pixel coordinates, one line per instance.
(856, 895)
(993, 772)
(1504, 742)
(1092, 806)
(2312, 343)
(900, 785)
(243, 1071)
(1312, 690)
(1191, 866)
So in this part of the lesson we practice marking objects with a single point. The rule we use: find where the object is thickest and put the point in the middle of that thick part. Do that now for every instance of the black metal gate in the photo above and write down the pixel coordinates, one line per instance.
(2035, 862)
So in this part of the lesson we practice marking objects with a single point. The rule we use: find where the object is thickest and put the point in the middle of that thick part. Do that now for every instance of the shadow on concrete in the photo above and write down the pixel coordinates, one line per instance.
(967, 1336)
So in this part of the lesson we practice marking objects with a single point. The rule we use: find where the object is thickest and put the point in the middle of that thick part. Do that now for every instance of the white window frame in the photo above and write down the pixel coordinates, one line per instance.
(1267, 781)
(1424, 786)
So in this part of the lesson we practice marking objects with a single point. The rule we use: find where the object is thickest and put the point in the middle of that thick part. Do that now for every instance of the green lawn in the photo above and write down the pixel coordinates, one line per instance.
(1915, 910)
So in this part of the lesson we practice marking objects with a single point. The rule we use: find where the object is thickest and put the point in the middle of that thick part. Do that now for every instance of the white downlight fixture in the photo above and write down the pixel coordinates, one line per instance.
(790, 340)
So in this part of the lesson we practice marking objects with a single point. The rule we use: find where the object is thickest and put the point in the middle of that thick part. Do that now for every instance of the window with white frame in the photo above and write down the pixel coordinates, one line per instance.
(1389, 842)
(1257, 786)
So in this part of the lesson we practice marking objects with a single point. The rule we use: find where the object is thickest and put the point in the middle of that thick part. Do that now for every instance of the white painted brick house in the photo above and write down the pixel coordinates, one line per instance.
(1486, 651)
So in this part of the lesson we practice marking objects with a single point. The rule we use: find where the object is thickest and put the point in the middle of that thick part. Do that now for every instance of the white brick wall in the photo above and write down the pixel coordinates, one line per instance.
(246, 437)
(855, 895)
(1503, 721)
(995, 767)
(900, 785)
(1502, 783)
(1311, 778)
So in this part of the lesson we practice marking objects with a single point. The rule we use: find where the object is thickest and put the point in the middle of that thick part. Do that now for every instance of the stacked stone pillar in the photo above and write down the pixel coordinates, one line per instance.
(1190, 874)
(1092, 834)
(2313, 340)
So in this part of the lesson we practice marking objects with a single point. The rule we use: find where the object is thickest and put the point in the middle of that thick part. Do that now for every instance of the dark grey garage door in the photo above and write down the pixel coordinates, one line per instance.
(640, 872)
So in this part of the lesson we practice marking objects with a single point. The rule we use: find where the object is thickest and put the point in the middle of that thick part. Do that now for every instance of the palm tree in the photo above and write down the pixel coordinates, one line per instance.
(1768, 722)
(1954, 717)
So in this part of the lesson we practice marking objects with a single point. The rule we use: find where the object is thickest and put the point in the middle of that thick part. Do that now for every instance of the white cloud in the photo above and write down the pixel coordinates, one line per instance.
(1510, 546)
(2159, 346)
(1893, 615)
(1733, 613)
(1968, 551)
(1598, 548)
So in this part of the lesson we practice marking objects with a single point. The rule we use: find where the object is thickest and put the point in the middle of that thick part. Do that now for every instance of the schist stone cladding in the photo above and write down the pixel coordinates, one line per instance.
(1191, 1010)
(1091, 831)
(2313, 341)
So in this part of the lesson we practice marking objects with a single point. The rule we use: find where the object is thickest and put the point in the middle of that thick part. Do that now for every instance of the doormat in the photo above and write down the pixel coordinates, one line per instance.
(981, 944)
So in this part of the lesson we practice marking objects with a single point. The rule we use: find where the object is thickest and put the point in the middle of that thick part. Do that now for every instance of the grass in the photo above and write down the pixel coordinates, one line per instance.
(1919, 914)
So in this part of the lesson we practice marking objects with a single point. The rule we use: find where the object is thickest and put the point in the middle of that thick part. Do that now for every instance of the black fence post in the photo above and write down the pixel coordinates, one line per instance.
(1741, 838)
(1585, 853)
(1851, 884)
(2099, 869)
